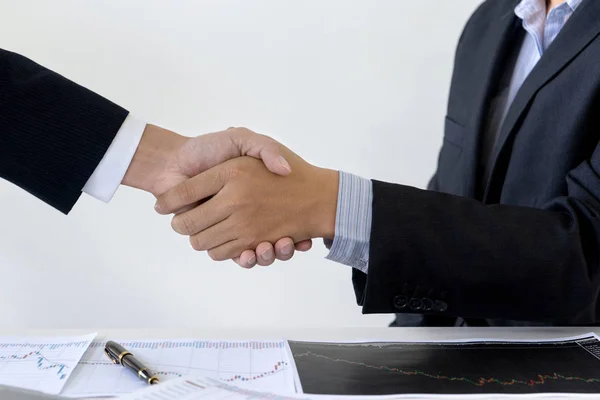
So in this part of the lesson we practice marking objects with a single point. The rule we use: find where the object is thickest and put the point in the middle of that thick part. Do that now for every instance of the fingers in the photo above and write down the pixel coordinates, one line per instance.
(304, 245)
(247, 259)
(224, 251)
(265, 254)
(194, 221)
(281, 249)
(214, 237)
(191, 191)
(284, 249)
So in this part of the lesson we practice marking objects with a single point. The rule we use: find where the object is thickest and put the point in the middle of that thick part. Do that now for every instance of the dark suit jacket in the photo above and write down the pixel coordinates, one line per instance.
(53, 132)
(524, 249)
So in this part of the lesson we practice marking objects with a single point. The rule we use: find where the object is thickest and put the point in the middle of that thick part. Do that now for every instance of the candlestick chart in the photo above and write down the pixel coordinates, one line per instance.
(481, 367)
(39, 364)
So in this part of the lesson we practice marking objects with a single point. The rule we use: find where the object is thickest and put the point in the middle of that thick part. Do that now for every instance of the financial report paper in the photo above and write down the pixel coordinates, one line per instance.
(40, 363)
(261, 365)
(471, 367)
(208, 389)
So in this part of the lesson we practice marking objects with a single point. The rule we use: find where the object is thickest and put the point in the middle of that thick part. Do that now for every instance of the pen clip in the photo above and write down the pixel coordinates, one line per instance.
(111, 357)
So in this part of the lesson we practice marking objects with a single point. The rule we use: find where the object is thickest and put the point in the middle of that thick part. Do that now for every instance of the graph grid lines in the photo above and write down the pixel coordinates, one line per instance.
(256, 364)
(40, 363)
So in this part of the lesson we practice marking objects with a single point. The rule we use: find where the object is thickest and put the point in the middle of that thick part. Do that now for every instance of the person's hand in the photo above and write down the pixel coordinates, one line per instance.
(164, 159)
(266, 253)
(243, 204)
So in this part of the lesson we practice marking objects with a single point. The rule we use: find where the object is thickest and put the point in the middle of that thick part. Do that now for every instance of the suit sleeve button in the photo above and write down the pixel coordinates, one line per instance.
(415, 304)
(400, 302)
(427, 304)
(440, 306)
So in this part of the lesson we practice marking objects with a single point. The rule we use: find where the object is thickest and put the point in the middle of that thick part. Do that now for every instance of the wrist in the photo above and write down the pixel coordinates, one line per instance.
(328, 182)
(155, 158)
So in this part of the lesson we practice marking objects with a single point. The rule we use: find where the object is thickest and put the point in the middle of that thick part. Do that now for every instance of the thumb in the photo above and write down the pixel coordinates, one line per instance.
(264, 148)
(274, 161)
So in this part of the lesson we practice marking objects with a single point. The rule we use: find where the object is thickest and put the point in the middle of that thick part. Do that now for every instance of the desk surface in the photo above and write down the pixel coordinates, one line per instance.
(346, 333)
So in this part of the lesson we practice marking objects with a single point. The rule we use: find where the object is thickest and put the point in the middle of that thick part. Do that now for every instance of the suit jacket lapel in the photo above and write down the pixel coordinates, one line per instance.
(578, 32)
(498, 43)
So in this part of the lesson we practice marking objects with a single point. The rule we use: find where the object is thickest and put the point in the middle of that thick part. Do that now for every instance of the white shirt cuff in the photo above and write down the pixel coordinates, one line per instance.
(109, 173)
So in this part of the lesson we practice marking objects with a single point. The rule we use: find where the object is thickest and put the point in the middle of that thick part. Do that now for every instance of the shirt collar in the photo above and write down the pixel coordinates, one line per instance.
(528, 8)
(574, 4)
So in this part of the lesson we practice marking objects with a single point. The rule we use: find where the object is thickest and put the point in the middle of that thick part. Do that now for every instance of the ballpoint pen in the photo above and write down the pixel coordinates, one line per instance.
(119, 355)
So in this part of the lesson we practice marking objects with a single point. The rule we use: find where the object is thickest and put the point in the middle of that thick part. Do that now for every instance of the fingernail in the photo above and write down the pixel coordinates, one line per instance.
(267, 254)
(157, 208)
(252, 261)
(284, 163)
(287, 249)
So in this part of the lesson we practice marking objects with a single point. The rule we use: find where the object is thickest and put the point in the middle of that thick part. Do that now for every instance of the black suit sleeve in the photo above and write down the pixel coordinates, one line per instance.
(53, 132)
(486, 261)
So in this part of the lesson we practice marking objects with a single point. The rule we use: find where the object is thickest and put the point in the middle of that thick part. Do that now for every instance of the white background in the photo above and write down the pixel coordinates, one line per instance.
(359, 86)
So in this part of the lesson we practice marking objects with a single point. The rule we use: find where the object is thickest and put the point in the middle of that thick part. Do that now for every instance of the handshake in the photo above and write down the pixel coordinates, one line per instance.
(237, 194)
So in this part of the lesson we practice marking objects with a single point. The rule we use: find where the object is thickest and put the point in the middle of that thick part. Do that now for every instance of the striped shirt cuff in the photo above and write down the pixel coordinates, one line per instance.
(352, 223)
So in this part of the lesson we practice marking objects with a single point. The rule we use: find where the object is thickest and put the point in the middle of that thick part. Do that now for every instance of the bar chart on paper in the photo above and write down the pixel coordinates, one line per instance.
(254, 364)
(43, 364)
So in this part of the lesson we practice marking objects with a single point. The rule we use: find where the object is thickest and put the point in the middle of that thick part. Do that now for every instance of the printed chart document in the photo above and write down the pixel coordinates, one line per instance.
(467, 367)
(260, 365)
(208, 389)
(195, 388)
(39, 363)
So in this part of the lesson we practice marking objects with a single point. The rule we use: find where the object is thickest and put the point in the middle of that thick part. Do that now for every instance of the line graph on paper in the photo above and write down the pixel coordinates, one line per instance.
(479, 367)
(40, 363)
(254, 364)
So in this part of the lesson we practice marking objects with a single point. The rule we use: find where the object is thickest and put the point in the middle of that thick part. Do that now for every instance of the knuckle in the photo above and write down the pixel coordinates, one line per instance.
(196, 243)
(222, 176)
(232, 172)
(214, 255)
(185, 192)
(233, 205)
(183, 224)
(189, 225)
(245, 131)
(240, 132)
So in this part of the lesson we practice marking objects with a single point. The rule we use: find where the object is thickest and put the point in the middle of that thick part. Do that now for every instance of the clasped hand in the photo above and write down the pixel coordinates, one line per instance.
(238, 209)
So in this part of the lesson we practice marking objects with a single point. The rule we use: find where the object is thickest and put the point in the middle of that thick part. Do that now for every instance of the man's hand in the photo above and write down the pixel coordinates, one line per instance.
(244, 204)
(165, 159)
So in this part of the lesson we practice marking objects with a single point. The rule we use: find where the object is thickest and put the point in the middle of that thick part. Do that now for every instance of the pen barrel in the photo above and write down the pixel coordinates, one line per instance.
(142, 372)
(115, 351)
